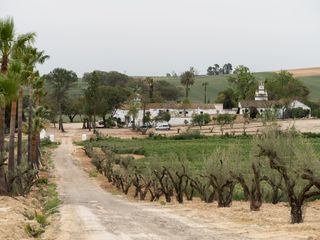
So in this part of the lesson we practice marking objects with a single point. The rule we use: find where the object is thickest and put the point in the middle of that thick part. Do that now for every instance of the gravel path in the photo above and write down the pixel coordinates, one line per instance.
(89, 212)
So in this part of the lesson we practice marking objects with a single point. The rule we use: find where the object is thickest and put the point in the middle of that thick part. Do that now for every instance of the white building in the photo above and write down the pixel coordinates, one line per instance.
(180, 113)
(261, 93)
(261, 104)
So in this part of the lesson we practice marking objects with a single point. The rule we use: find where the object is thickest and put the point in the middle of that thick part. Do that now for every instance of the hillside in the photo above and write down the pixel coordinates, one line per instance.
(219, 83)
(309, 76)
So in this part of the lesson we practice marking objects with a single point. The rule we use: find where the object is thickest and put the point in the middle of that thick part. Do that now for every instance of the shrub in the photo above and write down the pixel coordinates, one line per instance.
(33, 230)
(53, 200)
(188, 135)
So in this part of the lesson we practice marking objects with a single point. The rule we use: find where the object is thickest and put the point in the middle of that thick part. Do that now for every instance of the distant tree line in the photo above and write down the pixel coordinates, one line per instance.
(100, 94)
(217, 70)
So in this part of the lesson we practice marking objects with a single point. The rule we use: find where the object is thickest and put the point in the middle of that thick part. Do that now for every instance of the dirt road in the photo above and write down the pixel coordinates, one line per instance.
(88, 212)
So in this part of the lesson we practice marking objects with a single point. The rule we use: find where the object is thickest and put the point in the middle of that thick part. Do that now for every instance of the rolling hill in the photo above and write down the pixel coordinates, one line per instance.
(309, 76)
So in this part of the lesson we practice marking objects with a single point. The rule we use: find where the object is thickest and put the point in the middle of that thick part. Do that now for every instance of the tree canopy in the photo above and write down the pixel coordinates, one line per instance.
(244, 82)
(283, 85)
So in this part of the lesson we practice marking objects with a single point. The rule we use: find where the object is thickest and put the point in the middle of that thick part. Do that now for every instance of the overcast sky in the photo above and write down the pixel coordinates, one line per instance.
(153, 37)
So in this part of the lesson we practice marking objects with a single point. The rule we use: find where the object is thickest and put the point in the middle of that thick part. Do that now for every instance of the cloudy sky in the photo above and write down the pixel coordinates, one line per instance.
(153, 37)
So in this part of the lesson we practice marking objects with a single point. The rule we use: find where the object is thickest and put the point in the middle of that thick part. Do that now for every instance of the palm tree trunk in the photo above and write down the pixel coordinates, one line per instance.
(3, 186)
(20, 110)
(60, 119)
(94, 120)
(187, 91)
(11, 160)
(34, 150)
(2, 129)
(30, 122)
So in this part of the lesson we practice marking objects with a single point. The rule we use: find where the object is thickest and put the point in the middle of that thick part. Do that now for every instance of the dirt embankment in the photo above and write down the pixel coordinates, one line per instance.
(12, 219)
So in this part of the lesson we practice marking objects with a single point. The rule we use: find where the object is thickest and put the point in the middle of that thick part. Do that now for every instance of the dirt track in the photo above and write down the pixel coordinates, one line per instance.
(88, 212)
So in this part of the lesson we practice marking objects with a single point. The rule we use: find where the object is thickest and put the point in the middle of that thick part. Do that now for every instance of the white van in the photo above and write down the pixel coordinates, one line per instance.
(163, 126)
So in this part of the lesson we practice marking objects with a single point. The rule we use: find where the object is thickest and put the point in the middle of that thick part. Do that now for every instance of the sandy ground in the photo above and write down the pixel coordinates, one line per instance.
(90, 212)
(303, 125)
(305, 72)
(12, 220)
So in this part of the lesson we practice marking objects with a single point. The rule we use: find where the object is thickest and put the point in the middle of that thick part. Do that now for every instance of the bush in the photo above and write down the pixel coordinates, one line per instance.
(33, 230)
(201, 119)
(298, 113)
(188, 135)
(129, 150)
(53, 200)
(316, 113)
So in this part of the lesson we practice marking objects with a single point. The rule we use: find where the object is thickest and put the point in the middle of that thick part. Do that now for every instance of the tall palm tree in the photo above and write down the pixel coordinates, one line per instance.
(187, 79)
(10, 44)
(30, 57)
(150, 83)
(205, 84)
(8, 90)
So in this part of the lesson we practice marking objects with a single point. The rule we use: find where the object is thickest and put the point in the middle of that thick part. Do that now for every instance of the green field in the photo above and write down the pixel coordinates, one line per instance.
(217, 84)
(194, 150)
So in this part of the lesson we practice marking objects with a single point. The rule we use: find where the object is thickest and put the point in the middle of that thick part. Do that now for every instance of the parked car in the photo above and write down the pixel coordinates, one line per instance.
(163, 126)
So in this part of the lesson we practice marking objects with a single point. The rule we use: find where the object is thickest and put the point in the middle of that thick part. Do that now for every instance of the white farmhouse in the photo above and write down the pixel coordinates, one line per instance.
(261, 104)
(180, 113)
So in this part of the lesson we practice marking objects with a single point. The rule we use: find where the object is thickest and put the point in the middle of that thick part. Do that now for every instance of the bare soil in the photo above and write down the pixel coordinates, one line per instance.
(303, 125)
(305, 72)
(12, 219)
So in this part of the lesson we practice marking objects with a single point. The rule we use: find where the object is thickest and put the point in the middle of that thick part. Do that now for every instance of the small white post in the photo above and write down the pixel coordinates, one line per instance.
(51, 138)
(84, 137)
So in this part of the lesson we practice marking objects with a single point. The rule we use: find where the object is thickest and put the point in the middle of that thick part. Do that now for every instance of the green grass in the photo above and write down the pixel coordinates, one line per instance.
(93, 174)
(313, 83)
(194, 150)
(53, 200)
(216, 84)
(219, 83)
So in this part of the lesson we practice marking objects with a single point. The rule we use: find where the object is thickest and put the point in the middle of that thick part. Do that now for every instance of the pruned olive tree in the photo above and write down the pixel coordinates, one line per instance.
(217, 167)
(295, 160)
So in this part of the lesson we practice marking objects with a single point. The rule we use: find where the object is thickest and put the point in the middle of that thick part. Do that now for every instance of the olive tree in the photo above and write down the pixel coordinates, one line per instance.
(217, 167)
(294, 158)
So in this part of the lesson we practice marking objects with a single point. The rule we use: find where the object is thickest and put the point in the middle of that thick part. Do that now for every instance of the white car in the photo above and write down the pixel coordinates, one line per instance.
(163, 126)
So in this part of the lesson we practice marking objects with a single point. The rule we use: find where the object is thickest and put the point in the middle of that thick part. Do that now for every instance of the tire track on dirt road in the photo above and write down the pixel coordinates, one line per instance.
(90, 213)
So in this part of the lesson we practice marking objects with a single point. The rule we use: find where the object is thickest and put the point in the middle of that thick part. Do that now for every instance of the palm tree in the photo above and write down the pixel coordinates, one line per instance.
(133, 111)
(205, 84)
(187, 79)
(11, 46)
(40, 121)
(13, 75)
(30, 57)
(150, 83)
(8, 90)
